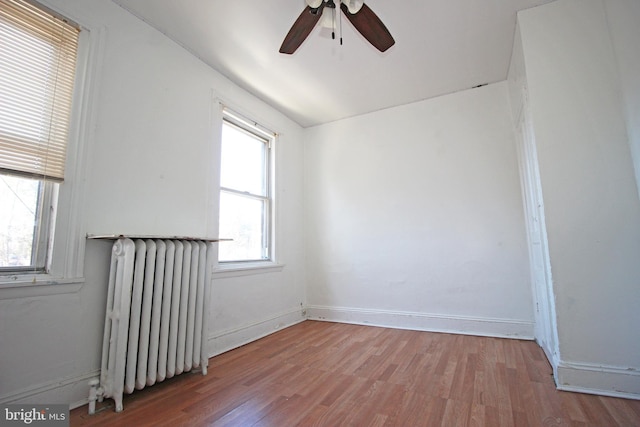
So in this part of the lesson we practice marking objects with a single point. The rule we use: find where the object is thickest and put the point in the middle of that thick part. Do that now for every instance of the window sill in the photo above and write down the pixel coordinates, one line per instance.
(236, 269)
(26, 286)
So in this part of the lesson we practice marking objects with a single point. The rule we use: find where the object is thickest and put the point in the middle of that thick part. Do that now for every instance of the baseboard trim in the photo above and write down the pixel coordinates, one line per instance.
(221, 342)
(480, 326)
(70, 389)
(611, 381)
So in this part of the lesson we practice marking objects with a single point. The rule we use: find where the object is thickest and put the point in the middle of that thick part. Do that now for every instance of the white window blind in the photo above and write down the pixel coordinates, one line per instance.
(37, 68)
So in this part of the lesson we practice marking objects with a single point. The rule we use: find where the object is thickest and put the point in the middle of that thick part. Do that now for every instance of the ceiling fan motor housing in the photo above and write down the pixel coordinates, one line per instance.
(354, 6)
(314, 4)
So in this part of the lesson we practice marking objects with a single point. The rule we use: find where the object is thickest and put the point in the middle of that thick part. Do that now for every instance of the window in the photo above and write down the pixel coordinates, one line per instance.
(245, 191)
(37, 70)
(25, 222)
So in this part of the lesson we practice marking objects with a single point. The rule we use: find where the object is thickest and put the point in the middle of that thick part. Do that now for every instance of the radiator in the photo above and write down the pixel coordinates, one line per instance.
(156, 317)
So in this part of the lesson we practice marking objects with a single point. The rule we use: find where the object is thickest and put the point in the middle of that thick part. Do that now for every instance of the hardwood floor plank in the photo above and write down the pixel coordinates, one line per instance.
(367, 405)
(344, 386)
(343, 408)
(476, 416)
(621, 410)
(390, 406)
(314, 417)
(426, 381)
(412, 410)
(463, 376)
(435, 412)
(456, 414)
(520, 419)
(388, 372)
(248, 413)
(595, 411)
(329, 374)
(490, 386)
(572, 407)
(478, 388)
(515, 396)
(307, 381)
(446, 379)
(378, 421)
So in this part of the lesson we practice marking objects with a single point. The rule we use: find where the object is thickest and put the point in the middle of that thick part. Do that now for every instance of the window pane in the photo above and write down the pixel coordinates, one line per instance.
(244, 161)
(19, 201)
(241, 219)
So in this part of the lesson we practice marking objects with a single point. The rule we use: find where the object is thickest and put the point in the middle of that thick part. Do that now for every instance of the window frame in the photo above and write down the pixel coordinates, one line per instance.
(42, 236)
(67, 251)
(254, 130)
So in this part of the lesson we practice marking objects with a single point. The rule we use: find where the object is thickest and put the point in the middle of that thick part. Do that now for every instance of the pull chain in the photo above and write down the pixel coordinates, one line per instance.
(340, 22)
(333, 24)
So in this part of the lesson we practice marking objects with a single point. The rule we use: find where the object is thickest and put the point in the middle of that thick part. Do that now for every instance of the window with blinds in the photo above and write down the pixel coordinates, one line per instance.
(37, 70)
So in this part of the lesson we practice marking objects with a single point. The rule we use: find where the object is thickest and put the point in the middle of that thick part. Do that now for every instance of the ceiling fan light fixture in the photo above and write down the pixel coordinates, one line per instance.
(354, 6)
(313, 4)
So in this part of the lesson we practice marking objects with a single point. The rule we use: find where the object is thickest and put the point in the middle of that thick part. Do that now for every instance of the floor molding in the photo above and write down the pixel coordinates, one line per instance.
(74, 389)
(220, 342)
(481, 326)
(611, 381)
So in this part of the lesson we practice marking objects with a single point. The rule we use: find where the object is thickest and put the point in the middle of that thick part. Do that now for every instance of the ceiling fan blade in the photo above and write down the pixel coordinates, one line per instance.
(370, 26)
(301, 29)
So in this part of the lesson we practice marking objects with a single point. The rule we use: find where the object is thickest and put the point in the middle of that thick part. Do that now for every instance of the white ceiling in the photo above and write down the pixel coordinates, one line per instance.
(442, 46)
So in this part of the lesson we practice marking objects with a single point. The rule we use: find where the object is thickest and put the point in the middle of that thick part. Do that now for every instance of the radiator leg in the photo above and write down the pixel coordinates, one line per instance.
(93, 395)
(118, 400)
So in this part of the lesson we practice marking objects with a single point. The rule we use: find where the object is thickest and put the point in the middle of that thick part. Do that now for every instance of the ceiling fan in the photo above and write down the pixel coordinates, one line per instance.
(358, 13)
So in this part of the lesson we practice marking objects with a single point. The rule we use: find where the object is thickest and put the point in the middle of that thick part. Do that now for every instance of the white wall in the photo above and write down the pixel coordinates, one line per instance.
(591, 200)
(623, 17)
(414, 218)
(152, 169)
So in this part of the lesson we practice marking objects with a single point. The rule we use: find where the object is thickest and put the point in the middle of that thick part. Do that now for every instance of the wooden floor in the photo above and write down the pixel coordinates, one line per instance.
(329, 374)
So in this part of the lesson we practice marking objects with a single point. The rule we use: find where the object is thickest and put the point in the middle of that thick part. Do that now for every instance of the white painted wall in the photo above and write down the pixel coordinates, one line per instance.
(152, 169)
(414, 218)
(591, 200)
(623, 17)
